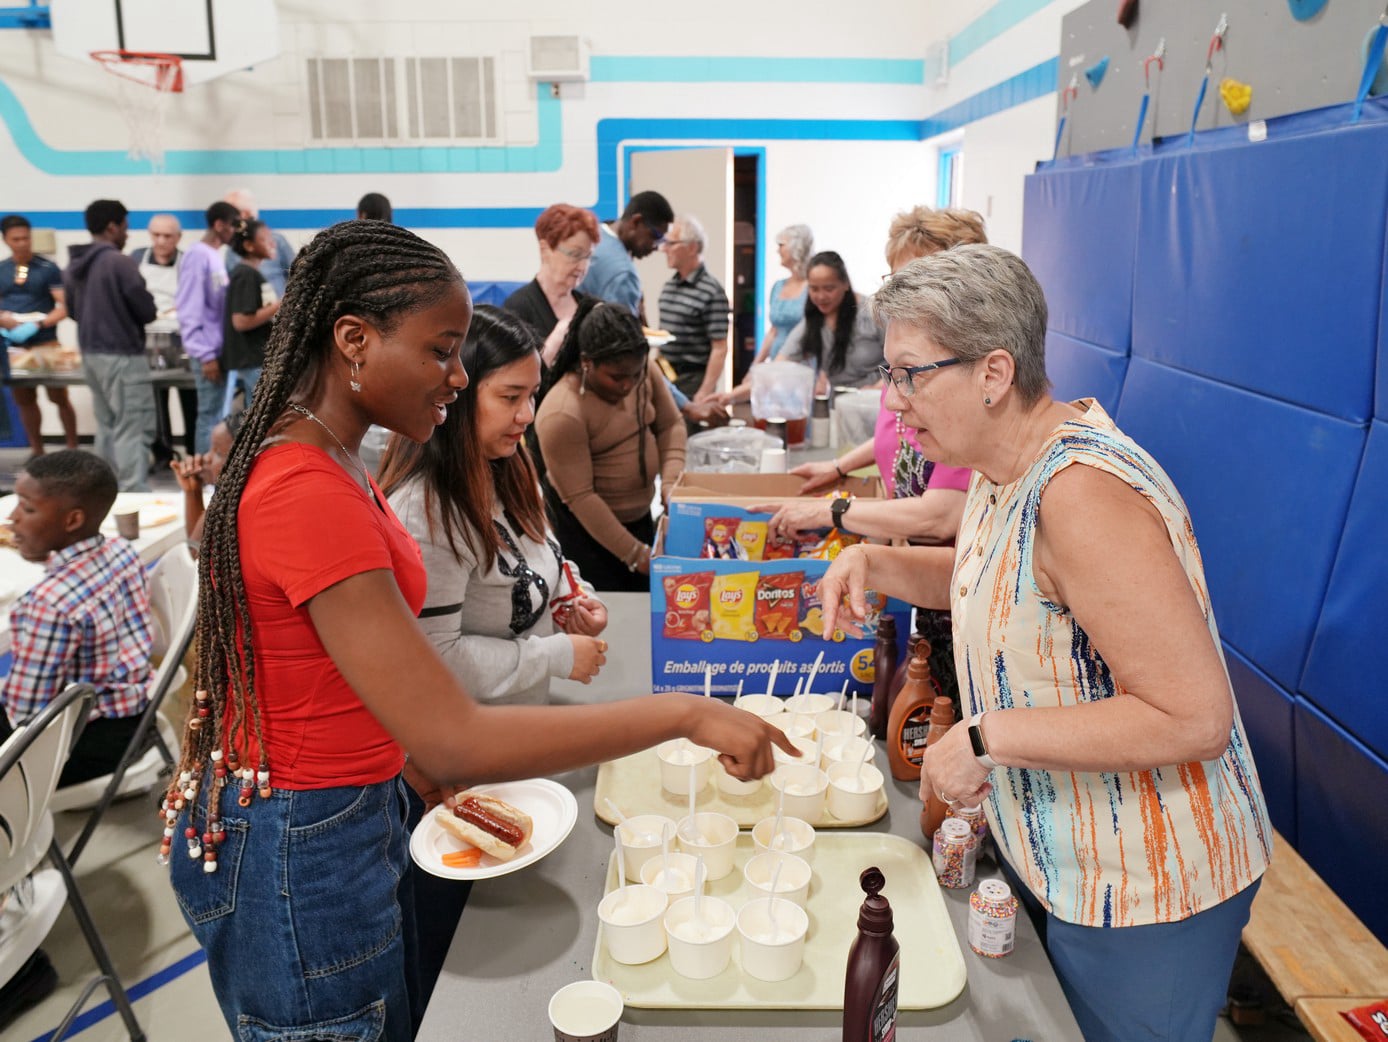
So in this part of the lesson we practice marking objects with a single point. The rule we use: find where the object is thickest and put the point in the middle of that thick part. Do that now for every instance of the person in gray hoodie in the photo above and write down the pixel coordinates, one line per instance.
(107, 297)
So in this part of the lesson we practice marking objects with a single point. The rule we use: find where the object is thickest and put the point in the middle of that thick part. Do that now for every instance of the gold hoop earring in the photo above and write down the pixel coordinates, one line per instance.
(354, 383)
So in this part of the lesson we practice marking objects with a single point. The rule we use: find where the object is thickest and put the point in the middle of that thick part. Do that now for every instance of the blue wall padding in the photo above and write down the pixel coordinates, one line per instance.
(1381, 392)
(1342, 814)
(1262, 266)
(1268, 486)
(1346, 670)
(1080, 370)
(1078, 233)
(494, 293)
(1266, 711)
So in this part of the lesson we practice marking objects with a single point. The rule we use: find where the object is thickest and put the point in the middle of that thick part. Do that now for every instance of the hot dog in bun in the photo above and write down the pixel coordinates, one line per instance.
(492, 825)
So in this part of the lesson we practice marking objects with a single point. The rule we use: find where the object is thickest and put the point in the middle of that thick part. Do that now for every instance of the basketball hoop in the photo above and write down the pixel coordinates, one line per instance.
(144, 81)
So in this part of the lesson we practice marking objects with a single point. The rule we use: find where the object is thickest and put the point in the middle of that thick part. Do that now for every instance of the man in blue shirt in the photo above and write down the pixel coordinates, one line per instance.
(31, 306)
(611, 273)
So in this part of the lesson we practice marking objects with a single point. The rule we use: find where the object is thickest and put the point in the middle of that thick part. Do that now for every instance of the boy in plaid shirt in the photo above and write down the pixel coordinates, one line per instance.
(88, 619)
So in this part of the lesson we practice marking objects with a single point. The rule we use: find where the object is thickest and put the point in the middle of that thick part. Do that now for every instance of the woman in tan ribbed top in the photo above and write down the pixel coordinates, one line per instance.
(607, 426)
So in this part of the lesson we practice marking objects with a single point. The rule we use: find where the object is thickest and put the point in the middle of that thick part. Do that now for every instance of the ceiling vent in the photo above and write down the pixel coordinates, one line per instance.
(556, 59)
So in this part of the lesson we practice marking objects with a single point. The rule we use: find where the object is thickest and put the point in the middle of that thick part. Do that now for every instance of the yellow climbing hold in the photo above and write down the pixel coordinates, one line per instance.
(1237, 96)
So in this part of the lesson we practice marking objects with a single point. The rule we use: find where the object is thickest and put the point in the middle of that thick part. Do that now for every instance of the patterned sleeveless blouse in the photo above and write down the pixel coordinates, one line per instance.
(1124, 848)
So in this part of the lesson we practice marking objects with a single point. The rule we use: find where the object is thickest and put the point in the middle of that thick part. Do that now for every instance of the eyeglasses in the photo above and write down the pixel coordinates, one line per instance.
(657, 237)
(902, 377)
(574, 255)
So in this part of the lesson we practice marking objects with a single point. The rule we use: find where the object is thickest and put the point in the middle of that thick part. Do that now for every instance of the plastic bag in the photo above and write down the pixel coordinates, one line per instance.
(782, 390)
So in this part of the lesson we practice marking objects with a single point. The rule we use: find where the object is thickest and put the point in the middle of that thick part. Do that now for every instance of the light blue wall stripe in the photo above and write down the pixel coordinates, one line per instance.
(991, 24)
(546, 156)
(637, 69)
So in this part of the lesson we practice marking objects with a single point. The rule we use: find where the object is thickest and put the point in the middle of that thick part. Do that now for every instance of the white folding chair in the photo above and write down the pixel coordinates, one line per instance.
(31, 760)
(173, 597)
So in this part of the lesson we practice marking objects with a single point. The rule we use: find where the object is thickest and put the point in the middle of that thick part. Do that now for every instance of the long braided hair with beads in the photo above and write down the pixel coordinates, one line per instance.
(371, 269)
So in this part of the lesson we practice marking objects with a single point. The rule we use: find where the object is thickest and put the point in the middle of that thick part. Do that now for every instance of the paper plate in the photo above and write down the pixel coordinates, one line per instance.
(551, 806)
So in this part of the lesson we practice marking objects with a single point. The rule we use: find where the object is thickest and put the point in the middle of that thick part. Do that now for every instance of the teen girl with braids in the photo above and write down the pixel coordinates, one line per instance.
(607, 426)
(285, 830)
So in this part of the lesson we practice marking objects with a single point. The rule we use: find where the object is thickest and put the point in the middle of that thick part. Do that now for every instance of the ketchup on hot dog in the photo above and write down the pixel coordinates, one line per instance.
(470, 810)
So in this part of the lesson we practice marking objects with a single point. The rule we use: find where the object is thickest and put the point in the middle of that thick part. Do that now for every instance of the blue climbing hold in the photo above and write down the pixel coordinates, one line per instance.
(1095, 73)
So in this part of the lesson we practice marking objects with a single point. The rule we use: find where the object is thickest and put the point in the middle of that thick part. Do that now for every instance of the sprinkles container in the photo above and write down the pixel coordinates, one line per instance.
(956, 853)
(992, 919)
(975, 817)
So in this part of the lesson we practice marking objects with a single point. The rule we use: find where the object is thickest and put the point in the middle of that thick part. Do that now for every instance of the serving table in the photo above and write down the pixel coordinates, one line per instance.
(525, 935)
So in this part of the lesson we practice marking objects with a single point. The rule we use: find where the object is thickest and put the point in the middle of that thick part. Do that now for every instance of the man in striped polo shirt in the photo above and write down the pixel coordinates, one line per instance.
(694, 307)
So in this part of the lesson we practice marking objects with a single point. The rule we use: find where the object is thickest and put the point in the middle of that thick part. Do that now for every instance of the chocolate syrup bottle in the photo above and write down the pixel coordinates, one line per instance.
(909, 722)
(942, 718)
(874, 967)
(883, 672)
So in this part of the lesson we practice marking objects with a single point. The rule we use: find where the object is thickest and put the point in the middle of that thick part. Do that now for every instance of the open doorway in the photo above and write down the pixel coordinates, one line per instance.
(745, 291)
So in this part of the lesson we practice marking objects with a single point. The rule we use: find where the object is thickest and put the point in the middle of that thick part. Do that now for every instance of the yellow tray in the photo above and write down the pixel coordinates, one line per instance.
(932, 964)
(633, 784)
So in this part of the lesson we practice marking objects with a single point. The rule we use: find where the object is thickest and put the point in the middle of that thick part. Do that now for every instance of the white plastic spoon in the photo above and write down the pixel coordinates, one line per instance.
(641, 839)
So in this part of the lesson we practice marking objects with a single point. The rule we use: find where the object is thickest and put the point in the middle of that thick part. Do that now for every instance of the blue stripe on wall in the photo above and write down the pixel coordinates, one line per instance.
(1036, 82)
(991, 24)
(635, 69)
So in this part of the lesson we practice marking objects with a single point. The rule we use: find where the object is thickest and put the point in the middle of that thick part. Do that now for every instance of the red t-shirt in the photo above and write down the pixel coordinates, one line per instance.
(303, 526)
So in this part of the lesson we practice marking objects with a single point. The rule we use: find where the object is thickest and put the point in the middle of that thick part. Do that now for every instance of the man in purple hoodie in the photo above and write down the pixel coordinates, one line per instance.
(107, 297)
(201, 303)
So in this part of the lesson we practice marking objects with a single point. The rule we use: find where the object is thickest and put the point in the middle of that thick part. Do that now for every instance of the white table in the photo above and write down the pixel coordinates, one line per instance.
(523, 936)
(17, 574)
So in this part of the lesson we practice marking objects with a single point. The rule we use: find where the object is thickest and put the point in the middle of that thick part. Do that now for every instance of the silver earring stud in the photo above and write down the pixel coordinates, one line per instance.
(354, 383)
(987, 401)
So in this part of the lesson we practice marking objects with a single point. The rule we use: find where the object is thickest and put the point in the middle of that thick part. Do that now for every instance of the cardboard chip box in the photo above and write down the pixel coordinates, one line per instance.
(736, 616)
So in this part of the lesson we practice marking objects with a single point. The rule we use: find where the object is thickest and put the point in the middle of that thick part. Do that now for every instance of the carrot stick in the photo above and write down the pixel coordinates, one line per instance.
(469, 858)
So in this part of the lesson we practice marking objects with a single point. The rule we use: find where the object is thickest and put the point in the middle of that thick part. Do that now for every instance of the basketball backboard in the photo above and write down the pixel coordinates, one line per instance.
(213, 37)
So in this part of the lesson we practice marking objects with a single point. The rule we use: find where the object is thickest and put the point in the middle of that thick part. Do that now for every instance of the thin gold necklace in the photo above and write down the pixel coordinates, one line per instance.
(345, 451)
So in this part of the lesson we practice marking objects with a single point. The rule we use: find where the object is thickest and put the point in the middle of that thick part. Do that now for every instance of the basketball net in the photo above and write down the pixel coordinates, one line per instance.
(144, 82)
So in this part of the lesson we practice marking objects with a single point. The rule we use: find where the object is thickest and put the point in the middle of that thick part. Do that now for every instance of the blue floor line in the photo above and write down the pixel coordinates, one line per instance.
(137, 991)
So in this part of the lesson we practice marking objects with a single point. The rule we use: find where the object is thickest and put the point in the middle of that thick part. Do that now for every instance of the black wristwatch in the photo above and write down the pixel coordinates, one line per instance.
(976, 740)
(837, 509)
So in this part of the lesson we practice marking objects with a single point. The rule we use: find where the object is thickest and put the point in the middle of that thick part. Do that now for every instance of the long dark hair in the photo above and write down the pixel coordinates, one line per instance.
(367, 268)
(461, 487)
(243, 233)
(813, 344)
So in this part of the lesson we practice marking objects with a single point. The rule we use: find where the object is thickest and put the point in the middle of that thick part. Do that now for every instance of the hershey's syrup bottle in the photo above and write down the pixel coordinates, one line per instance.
(874, 968)
(883, 672)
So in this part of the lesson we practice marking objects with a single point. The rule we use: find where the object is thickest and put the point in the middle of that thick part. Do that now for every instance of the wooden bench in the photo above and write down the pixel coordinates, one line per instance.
(1316, 952)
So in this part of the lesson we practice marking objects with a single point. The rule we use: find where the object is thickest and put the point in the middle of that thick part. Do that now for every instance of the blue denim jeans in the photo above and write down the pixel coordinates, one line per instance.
(211, 397)
(302, 922)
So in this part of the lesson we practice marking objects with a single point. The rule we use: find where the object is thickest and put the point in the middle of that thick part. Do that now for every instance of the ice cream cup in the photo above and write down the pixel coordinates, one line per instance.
(631, 923)
(811, 704)
(840, 721)
(804, 786)
(730, 786)
(675, 878)
(586, 1011)
(711, 834)
(675, 757)
(641, 841)
(773, 947)
(784, 759)
(842, 748)
(793, 884)
(761, 705)
(854, 796)
(702, 949)
(797, 725)
(796, 837)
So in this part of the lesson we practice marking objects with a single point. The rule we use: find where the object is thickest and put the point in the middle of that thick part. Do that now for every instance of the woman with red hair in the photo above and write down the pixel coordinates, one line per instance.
(568, 236)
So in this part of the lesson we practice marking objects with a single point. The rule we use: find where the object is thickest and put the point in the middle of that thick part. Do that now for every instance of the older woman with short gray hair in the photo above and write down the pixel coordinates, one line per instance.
(786, 301)
(1099, 727)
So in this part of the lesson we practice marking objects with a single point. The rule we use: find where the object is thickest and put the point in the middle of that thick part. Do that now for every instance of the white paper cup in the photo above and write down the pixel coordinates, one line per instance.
(773, 461)
(675, 757)
(586, 1011)
(851, 800)
(797, 725)
(783, 759)
(631, 923)
(796, 837)
(711, 834)
(804, 786)
(730, 786)
(793, 884)
(811, 704)
(761, 705)
(641, 841)
(676, 879)
(772, 952)
(704, 951)
(840, 722)
(843, 748)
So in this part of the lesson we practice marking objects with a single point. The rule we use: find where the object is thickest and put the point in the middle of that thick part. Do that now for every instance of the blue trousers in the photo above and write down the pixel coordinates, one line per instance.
(1167, 981)
(308, 922)
(211, 397)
